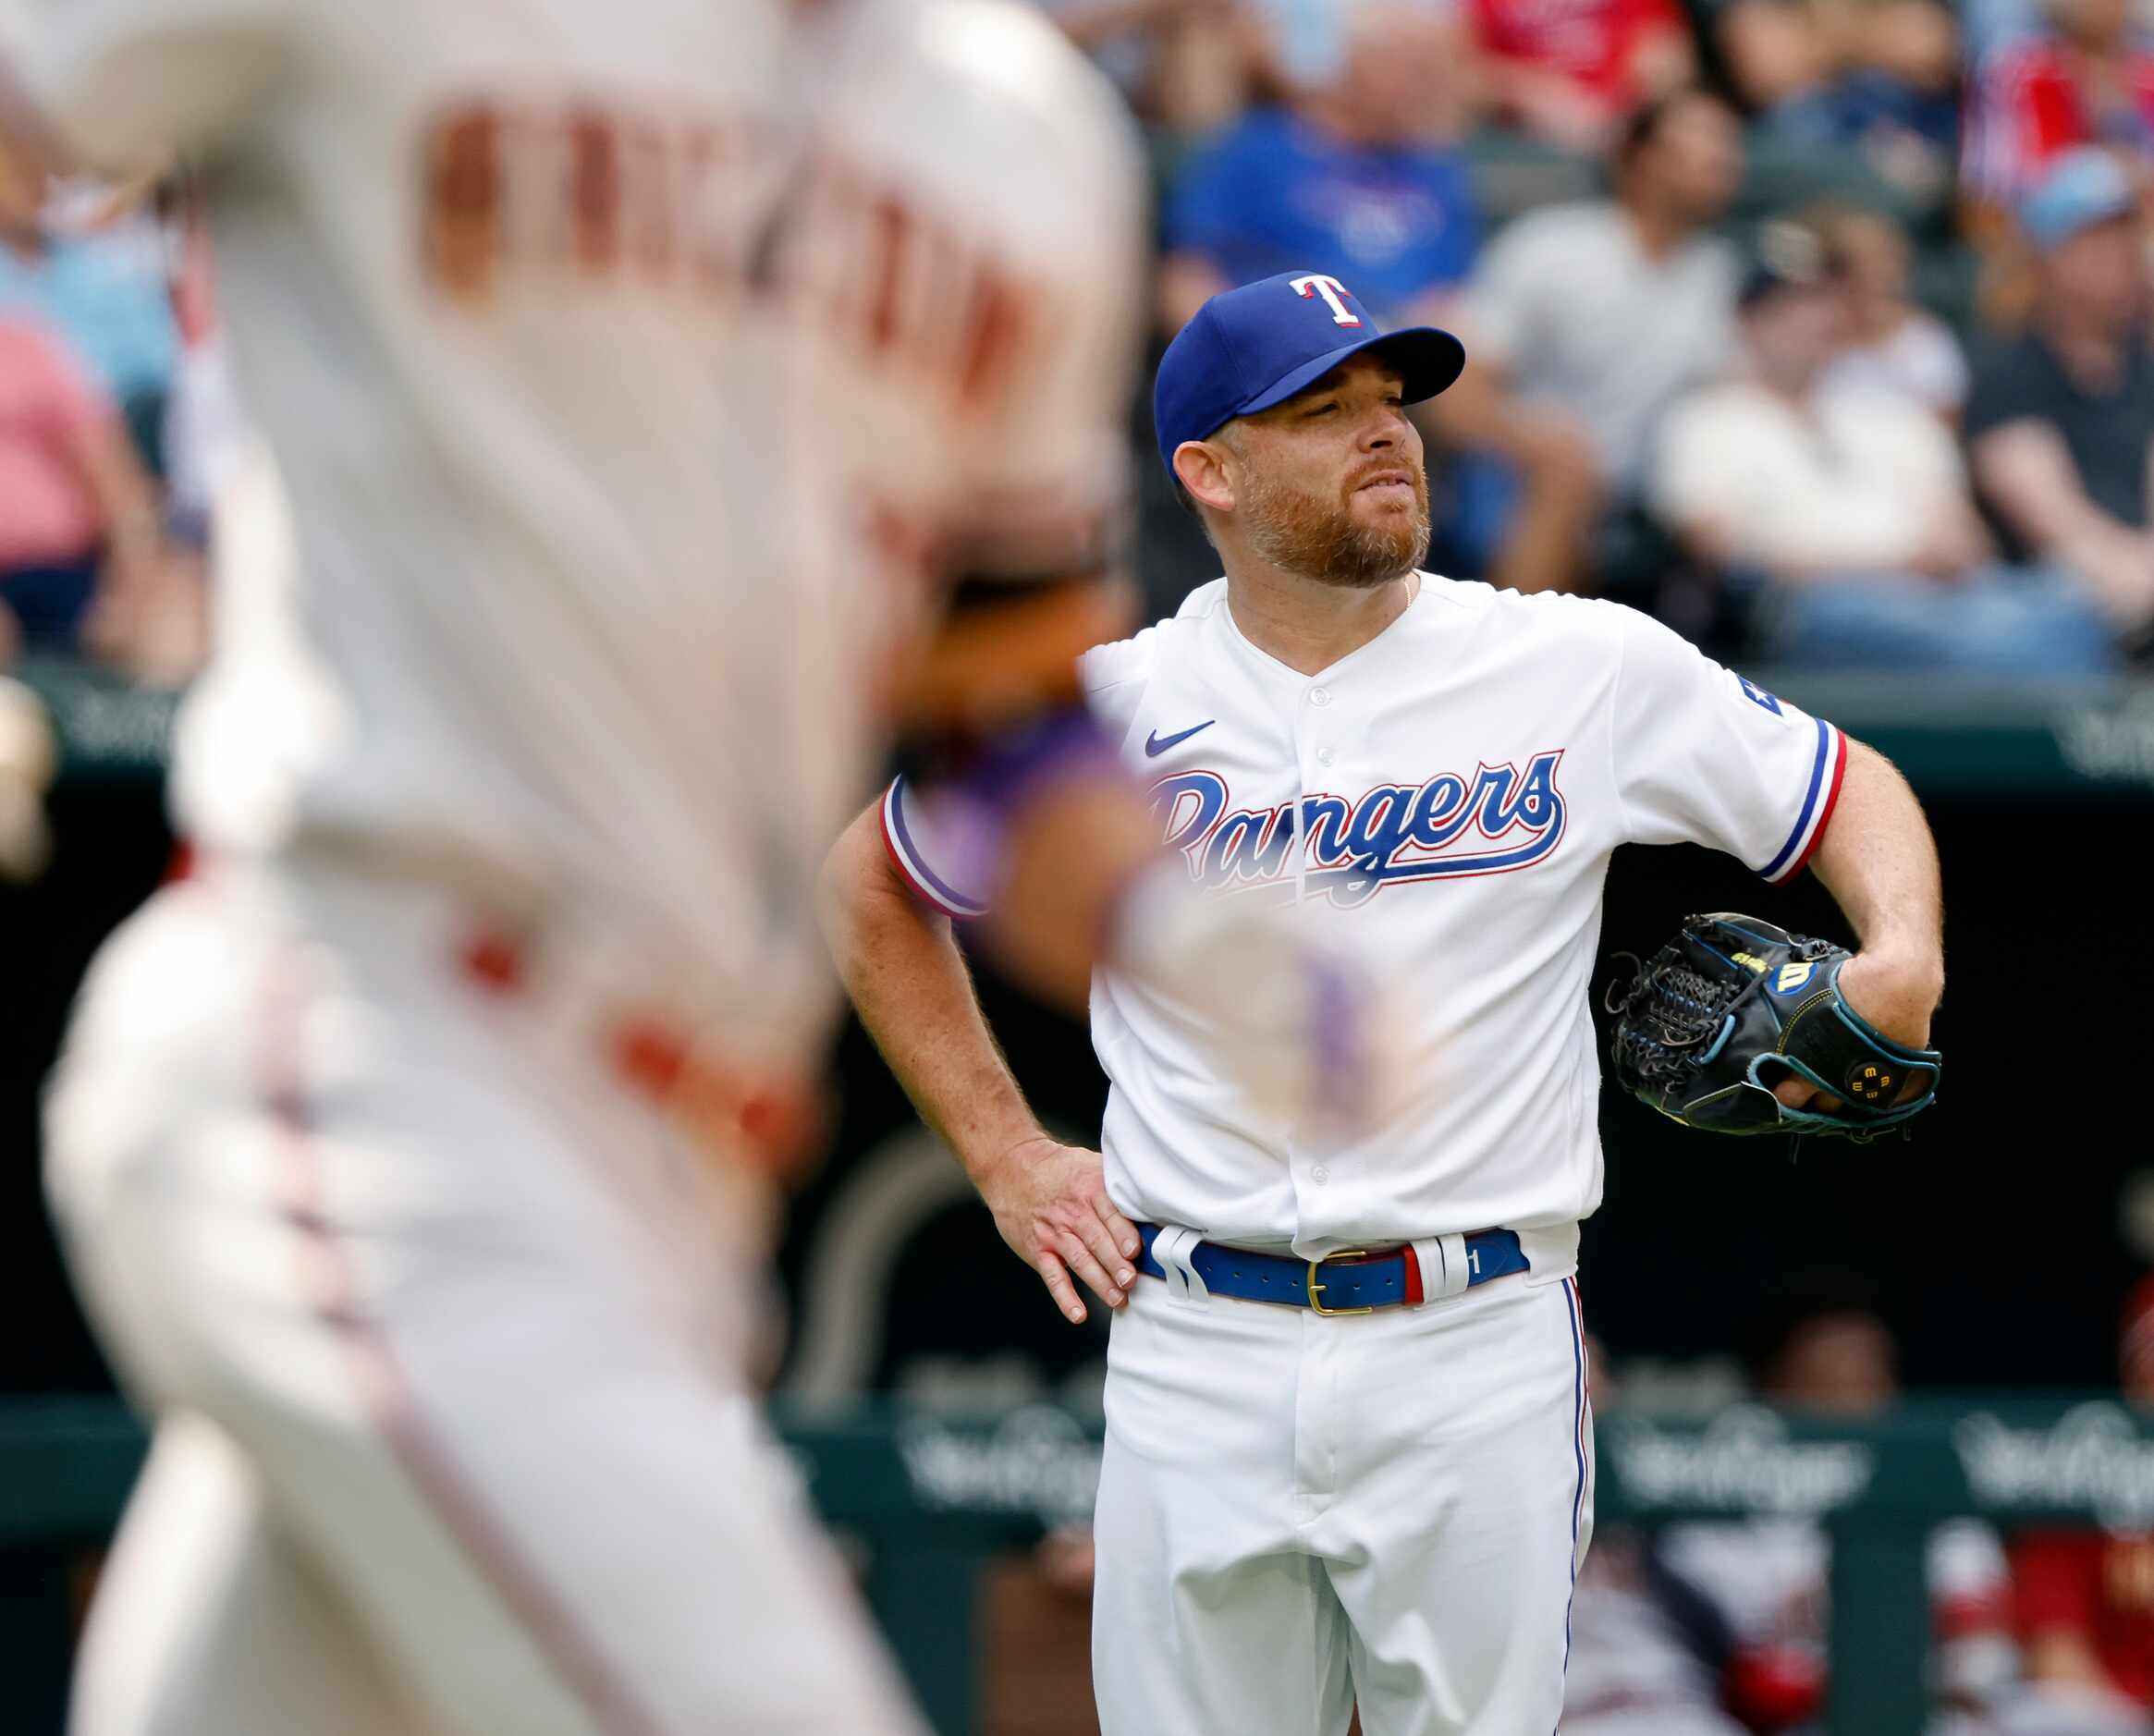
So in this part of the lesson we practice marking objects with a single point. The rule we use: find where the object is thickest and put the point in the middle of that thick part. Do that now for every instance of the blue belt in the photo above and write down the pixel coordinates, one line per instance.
(1341, 1284)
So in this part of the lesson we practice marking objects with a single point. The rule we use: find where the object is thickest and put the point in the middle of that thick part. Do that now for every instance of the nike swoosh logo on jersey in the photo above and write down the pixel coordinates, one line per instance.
(1154, 745)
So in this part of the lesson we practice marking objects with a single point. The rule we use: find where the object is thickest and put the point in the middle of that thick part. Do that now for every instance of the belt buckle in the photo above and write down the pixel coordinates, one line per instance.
(1310, 1278)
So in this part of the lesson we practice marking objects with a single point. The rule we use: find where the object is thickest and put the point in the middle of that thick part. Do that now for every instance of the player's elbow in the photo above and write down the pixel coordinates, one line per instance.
(1866, 776)
(1870, 775)
(845, 880)
(858, 891)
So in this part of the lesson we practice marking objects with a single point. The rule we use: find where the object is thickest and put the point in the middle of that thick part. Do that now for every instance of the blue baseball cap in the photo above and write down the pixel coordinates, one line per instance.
(1257, 346)
(2082, 187)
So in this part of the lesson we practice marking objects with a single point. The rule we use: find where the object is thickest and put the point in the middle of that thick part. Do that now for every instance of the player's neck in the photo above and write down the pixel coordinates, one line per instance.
(1305, 623)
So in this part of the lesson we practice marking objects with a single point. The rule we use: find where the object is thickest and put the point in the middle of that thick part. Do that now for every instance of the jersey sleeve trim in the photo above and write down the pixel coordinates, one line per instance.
(1827, 769)
(913, 866)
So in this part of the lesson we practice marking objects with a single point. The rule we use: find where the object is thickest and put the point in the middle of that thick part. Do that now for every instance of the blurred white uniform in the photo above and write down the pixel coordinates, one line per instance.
(614, 401)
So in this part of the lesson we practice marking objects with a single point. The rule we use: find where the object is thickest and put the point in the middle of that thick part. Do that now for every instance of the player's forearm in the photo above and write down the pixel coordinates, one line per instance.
(908, 981)
(1879, 862)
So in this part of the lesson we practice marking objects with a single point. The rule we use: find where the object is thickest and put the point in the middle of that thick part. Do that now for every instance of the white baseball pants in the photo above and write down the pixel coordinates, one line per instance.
(1298, 1513)
(436, 1323)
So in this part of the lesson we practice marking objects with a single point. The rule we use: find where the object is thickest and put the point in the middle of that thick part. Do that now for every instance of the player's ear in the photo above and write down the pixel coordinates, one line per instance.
(1200, 466)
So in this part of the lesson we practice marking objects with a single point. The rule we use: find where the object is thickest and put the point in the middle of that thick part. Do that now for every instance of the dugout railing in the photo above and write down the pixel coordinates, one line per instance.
(928, 1500)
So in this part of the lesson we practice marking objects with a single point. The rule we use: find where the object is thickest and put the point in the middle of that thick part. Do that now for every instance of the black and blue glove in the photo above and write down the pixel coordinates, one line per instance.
(1733, 1005)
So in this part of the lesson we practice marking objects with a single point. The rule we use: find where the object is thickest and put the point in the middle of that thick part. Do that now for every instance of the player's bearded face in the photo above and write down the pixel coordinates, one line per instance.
(1327, 508)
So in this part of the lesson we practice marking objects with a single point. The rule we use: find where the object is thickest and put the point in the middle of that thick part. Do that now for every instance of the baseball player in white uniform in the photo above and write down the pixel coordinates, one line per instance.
(1349, 1448)
(409, 1150)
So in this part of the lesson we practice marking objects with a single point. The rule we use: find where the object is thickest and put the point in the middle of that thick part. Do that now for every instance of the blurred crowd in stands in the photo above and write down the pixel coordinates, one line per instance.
(1814, 326)
(104, 432)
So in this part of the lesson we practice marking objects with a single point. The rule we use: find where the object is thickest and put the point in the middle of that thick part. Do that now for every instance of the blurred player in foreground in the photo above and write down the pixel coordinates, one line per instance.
(409, 1149)
(1299, 1512)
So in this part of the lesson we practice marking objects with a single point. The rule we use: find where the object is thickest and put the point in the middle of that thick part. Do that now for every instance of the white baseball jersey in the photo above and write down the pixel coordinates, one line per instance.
(1446, 799)
(617, 400)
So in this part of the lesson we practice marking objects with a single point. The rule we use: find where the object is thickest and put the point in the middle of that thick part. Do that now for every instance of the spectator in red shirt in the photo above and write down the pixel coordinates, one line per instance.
(79, 521)
(2086, 1599)
(2088, 78)
(1571, 71)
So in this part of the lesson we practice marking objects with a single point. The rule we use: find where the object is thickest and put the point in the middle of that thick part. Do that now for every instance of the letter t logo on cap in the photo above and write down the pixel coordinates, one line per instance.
(1330, 289)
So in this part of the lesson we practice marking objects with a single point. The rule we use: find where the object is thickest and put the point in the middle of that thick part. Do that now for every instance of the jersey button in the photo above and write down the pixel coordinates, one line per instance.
(1324, 756)
(1319, 1175)
(1319, 696)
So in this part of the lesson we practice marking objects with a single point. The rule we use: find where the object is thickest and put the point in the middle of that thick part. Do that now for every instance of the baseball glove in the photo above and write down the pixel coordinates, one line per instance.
(1731, 1007)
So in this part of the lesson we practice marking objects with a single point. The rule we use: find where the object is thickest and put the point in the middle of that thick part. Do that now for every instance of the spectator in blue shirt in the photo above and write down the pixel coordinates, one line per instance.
(1361, 177)
(104, 291)
(1281, 191)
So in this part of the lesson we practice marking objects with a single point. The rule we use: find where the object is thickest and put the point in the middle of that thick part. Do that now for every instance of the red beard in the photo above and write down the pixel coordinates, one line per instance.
(1327, 540)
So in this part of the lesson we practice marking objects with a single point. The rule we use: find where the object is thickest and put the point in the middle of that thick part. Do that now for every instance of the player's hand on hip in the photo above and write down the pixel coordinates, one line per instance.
(1895, 993)
(1050, 1203)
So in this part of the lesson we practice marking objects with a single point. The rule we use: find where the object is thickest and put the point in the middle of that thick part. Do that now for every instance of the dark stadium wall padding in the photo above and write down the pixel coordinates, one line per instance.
(2016, 1159)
